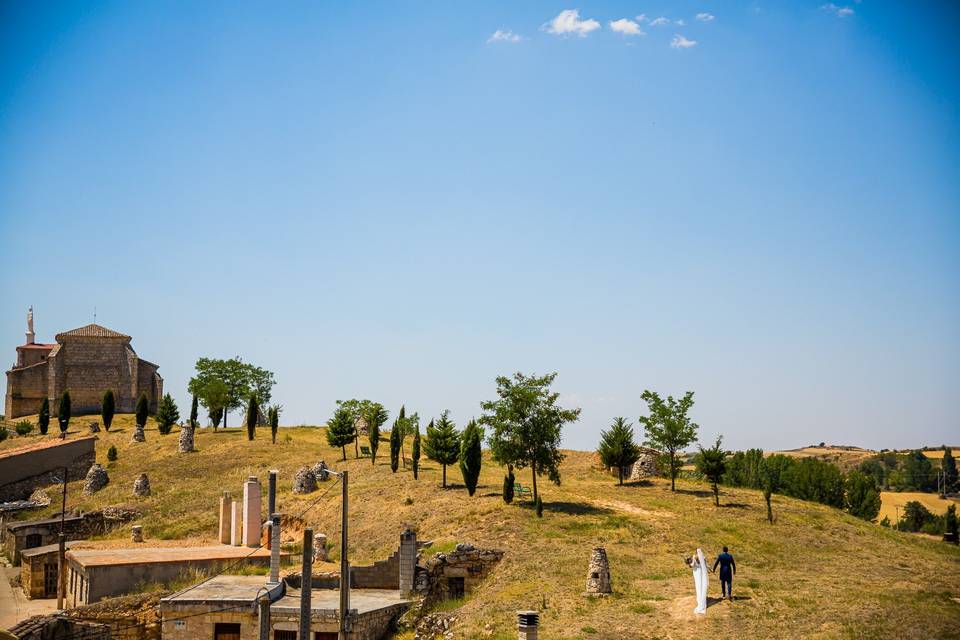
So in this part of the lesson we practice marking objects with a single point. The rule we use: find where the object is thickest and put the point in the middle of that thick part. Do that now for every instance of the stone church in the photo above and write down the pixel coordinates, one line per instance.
(85, 361)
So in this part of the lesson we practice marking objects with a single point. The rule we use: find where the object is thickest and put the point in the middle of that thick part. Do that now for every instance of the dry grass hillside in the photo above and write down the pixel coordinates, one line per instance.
(815, 573)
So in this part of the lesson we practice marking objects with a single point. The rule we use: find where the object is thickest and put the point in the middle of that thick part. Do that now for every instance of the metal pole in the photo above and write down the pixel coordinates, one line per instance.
(344, 565)
(264, 617)
(272, 494)
(306, 584)
(61, 541)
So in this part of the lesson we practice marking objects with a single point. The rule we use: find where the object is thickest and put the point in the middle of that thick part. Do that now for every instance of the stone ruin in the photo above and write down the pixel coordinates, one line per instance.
(138, 434)
(97, 479)
(94, 427)
(141, 486)
(305, 481)
(598, 573)
(320, 547)
(451, 575)
(185, 444)
(648, 466)
(322, 471)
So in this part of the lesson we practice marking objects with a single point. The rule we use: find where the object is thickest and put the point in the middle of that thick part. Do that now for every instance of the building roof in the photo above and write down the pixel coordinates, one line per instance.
(37, 345)
(20, 524)
(92, 331)
(226, 589)
(158, 555)
(43, 444)
(39, 551)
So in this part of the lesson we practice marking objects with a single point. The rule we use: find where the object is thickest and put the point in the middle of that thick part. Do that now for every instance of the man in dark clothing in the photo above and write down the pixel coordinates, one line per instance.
(728, 568)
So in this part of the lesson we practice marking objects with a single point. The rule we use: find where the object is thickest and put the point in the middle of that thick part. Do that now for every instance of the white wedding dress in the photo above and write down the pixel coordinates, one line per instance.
(700, 580)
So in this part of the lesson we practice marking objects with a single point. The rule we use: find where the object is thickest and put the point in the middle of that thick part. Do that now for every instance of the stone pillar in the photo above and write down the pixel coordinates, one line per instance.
(408, 562)
(226, 518)
(236, 523)
(527, 623)
(598, 573)
(136, 533)
(319, 547)
(251, 512)
(264, 618)
(275, 548)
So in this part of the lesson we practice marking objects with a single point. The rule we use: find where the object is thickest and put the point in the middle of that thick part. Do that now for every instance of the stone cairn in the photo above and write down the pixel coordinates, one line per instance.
(136, 532)
(305, 481)
(138, 434)
(598, 573)
(319, 547)
(94, 427)
(141, 486)
(186, 439)
(321, 471)
(97, 479)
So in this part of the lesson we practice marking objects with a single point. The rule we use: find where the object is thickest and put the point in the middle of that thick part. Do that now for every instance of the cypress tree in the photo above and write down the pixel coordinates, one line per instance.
(471, 456)
(194, 412)
(167, 414)
(415, 454)
(950, 523)
(443, 443)
(253, 412)
(395, 445)
(63, 413)
(215, 415)
(44, 418)
(107, 409)
(143, 407)
(274, 423)
(508, 481)
(712, 464)
(617, 448)
(401, 427)
(375, 416)
(341, 430)
(949, 466)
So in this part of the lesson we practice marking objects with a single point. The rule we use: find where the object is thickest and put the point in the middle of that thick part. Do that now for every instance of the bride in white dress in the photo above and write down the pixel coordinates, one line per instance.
(700, 580)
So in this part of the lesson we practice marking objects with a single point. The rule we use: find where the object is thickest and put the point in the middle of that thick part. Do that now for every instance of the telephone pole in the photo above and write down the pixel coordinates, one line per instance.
(62, 544)
(344, 564)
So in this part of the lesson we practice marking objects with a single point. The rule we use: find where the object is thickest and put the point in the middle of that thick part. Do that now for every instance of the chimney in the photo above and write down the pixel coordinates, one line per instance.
(275, 548)
(527, 623)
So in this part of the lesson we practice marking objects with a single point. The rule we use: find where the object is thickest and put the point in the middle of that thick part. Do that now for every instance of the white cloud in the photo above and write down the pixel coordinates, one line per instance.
(679, 42)
(642, 17)
(656, 22)
(681, 22)
(840, 12)
(626, 27)
(504, 35)
(706, 17)
(569, 22)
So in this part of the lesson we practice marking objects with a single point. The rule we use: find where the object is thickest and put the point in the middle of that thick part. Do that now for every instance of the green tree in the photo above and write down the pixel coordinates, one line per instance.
(712, 463)
(107, 408)
(411, 424)
(526, 425)
(194, 413)
(508, 481)
(43, 420)
(167, 414)
(950, 523)
(143, 407)
(227, 384)
(341, 430)
(442, 444)
(949, 467)
(375, 416)
(815, 480)
(112, 453)
(915, 516)
(357, 409)
(395, 444)
(617, 448)
(253, 414)
(745, 469)
(471, 455)
(415, 453)
(772, 470)
(669, 428)
(274, 422)
(63, 413)
(863, 495)
(875, 469)
(918, 472)
(215, 415)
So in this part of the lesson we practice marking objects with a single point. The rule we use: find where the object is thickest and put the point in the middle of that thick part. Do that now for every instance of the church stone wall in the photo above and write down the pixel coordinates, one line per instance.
(26, 389)
(90, 367)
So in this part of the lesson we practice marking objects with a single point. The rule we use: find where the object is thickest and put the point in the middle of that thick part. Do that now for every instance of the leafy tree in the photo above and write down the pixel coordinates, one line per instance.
(167, 414)
(949, 467)
(863, 495)
(815, 480)
(274, 418)
(43, 420)
(915, 516)
(668, 428)
(107, 408)
(112, 453)
(395, 444)
(63, 413)
(194, 413)
(215, 415)
(341, 430)
(415, 453)
(357, 409)
(508, 481)
(712, 463)
(253, 413)
(227, 384)
(442, 444)
(143, 407)
(745, 469)
(375, 416)
(875, 469)
(918, 472)
(950, 523)
(617, 448)
(471, 455)
(526, 425)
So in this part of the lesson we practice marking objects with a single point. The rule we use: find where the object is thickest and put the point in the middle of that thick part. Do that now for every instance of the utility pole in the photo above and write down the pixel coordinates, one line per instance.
(306, 584)
(62, 544)
(344, 564)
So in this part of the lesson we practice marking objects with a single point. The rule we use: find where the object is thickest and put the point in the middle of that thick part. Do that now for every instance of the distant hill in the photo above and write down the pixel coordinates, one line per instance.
(816, 572)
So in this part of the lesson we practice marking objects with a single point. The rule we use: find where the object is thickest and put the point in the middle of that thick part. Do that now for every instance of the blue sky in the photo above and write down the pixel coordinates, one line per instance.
(760, 204)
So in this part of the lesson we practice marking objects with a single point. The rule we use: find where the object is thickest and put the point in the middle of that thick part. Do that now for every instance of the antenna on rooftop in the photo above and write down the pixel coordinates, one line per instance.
(94, 315)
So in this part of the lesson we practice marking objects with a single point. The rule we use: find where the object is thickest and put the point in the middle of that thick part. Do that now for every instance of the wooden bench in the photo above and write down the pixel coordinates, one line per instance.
(520, 490)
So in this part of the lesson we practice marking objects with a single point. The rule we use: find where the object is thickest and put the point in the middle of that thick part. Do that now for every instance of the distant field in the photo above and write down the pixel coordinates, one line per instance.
(890, 500)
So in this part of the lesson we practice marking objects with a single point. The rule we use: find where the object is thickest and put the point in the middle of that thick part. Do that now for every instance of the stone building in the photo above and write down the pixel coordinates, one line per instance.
(39, 569)
(86, 361)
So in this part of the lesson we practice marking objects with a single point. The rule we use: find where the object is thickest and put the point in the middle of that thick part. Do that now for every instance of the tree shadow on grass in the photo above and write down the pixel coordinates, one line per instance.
(571, 508)
(491, 494)
(638, 483)
(734, 505)
(700, 493)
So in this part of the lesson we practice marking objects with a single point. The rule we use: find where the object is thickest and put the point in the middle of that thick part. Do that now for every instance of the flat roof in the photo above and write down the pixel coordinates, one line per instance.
(158, 555)
(39, 551)
(19, 524)
(46, 444)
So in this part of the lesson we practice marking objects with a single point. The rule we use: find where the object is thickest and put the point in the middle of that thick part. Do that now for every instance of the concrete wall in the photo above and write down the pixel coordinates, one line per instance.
(23, 470)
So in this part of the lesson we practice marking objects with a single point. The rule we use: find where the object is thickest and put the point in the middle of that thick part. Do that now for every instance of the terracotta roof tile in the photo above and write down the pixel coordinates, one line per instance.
(92, 331)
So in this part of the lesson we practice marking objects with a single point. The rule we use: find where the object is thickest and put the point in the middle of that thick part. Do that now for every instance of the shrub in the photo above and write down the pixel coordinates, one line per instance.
(23, 427)
(3, 433)
(112, 453)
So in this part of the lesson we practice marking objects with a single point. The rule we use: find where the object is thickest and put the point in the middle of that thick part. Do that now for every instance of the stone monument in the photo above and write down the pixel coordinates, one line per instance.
(138, 434)
(186, 439)
(97, 479)
(598, 573)
(136, 533)
(251, 512)
(141, 486)
(304, 481)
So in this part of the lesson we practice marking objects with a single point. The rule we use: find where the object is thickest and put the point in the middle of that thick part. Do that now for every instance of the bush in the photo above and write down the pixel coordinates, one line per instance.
(3, 433)
(112, 453)
(23, 427)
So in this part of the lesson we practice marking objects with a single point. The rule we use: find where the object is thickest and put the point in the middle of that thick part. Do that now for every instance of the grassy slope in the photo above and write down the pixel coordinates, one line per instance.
(815, 573)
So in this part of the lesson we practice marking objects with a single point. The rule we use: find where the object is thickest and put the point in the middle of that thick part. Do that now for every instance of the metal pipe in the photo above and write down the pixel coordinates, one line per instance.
(306, 584)
(344, 564)
(272, 493)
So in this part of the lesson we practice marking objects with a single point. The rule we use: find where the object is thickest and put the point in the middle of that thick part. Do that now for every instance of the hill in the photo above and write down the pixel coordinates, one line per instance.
(816, 572)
